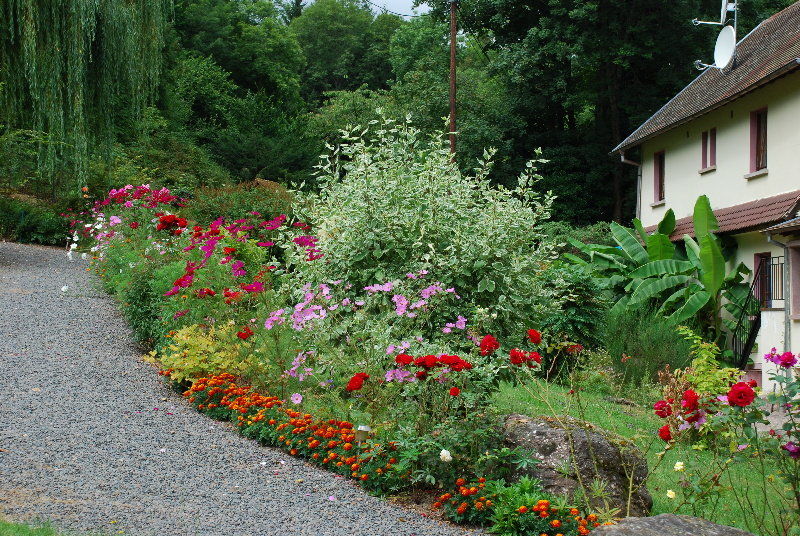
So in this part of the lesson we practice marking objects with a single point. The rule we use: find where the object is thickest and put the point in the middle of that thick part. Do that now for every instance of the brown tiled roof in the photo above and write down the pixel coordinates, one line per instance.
(745, 217)
(771, 50)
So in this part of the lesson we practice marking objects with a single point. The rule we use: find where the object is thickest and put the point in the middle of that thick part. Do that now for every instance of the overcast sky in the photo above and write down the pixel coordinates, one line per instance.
(399, 6)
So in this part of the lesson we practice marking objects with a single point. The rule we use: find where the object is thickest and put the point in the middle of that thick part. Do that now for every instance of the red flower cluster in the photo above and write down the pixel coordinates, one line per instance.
(489, 345)
(170, 222)
(428, 362)
(245, 334)
(357, 381)
(534, 336)
(520, 357)
(663, 408)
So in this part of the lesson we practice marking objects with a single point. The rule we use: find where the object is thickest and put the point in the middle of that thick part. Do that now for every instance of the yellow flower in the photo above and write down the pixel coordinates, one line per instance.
(679, 466)
(670, 494)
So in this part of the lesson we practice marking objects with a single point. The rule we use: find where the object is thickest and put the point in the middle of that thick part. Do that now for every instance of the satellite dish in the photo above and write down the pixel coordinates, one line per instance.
(726, 47)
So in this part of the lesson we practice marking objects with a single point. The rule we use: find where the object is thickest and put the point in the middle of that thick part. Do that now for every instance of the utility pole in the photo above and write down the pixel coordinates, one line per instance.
(453, 36)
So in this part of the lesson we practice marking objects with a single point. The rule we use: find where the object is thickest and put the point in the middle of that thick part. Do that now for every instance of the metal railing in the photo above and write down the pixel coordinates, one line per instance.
(743, 338)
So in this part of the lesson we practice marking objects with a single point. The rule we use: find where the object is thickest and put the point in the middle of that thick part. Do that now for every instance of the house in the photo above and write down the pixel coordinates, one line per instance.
(734, 135)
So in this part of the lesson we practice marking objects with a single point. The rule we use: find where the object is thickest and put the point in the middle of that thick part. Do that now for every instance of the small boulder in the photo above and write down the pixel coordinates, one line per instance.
(572, 453)
(667, 525)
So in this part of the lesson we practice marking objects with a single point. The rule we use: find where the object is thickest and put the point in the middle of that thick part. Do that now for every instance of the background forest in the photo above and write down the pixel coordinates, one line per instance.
(213, 92)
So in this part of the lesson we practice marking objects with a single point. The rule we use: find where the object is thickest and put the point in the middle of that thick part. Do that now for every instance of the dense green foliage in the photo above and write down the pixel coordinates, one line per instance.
(260, 86)
(30, 221)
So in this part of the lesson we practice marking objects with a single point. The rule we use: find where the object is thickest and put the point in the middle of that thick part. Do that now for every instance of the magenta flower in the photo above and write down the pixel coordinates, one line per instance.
(793, 449)
(296, 398)
(255, 286)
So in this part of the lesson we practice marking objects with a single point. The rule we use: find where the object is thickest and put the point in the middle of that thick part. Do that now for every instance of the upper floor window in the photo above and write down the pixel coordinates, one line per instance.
(758, 140)
(709, 148)
(658, 176)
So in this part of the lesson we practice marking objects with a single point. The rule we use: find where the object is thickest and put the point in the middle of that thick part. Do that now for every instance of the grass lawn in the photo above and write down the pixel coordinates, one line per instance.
(15, 529)
(639, 424)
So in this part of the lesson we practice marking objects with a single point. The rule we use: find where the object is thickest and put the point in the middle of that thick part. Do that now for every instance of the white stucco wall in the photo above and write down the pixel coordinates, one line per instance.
(726, 186)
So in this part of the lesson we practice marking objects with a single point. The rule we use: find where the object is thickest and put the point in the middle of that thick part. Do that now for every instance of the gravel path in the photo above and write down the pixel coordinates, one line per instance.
(90, 438)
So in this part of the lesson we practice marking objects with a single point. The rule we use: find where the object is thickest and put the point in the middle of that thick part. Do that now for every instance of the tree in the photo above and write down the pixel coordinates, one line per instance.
(584, 74)
(246, 39)
(345, 47)
(291, 9)
(73, 70)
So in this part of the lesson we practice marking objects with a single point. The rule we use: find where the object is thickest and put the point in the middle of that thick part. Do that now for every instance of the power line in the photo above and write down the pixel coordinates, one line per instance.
(383, 8)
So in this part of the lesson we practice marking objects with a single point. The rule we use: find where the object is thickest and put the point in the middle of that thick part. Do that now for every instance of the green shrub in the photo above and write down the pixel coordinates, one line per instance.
(394, 204)
(579, 305)
(560, 232)
(31, 222)
(641, 344)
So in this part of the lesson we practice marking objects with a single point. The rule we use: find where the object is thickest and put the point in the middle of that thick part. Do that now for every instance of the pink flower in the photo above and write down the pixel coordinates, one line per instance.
(265, 244)
(255, 286)
(237, 269)
(296, 398)
(180, 314)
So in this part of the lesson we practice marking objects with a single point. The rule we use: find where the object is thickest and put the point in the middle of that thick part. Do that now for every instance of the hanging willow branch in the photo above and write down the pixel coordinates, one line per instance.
(73, 69)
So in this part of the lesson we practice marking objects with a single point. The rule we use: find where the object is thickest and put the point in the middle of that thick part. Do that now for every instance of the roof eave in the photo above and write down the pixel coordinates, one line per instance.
(782, 71)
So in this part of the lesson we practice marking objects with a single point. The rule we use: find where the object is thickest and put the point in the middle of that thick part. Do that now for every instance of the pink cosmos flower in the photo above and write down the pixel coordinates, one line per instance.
(296, 398)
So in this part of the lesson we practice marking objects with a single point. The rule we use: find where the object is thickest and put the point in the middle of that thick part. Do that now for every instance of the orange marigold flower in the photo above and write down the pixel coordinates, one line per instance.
(522, 509)
(555, 523)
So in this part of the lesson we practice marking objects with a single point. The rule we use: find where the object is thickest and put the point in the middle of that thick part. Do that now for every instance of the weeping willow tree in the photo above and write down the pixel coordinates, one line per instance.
(73, 70)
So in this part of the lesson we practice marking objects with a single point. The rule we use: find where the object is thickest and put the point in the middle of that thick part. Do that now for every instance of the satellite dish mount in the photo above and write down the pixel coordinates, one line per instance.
(725, 49)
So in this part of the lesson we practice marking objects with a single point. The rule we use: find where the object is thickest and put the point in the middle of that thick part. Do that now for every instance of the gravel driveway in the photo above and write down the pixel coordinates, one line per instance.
(90, 438)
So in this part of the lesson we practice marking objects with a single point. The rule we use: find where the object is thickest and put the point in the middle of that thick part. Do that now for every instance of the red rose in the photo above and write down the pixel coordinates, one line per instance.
(489, 345)
(690, 401)
(662, 409)
(134, 225)
(534, 356)
(455, 391)
(245, 334)
(404, 359)
(741, 395)
(517, 356)
(534, 336)
(357, 381)
(665, 433)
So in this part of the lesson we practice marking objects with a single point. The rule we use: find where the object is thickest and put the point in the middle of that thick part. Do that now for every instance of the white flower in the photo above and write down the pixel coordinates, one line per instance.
(670, 494)
(445, 456)
(73, 246)
(65, 288)
(69, 254)
(679, 466)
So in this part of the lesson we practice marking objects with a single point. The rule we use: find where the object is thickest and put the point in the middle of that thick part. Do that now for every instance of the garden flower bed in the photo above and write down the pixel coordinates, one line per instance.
(206, 298)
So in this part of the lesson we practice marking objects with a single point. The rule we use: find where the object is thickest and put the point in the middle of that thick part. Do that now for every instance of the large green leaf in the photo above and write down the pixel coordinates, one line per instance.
(637, 224)
(713, 264)
(672, 299)
(692, 306)
(629, 243)
(620, 306)
(659, 247)
(662, 267)
(667, 224)
(692, 251)
(653, 287)
(704, 220)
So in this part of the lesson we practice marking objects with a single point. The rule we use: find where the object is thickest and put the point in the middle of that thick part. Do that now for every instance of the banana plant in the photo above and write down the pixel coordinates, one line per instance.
(691, 281)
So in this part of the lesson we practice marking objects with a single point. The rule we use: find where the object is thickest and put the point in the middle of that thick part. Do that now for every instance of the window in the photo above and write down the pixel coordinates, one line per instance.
(709, 147)
(758, 140)
(658, 176)
(768, 287)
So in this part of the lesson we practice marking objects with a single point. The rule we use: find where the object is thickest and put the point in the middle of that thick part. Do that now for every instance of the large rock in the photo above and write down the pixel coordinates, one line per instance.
(575, 456)
(667, 525)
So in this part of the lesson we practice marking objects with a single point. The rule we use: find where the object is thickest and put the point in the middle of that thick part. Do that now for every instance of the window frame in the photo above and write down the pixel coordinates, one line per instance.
(759, 140)
(659, 172)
